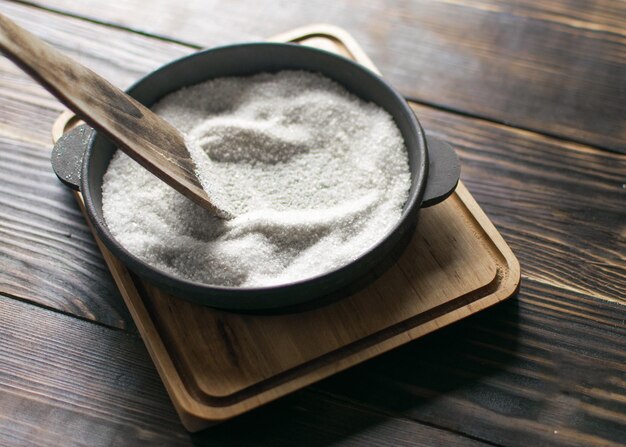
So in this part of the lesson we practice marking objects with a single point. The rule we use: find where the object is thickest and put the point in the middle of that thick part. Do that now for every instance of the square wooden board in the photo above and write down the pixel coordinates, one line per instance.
(217, 365)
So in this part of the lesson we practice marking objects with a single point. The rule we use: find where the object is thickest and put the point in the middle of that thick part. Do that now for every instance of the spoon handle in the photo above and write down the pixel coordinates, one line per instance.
(140, 133)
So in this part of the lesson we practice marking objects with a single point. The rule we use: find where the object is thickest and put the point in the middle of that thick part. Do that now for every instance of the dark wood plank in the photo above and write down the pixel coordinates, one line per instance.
(556, 67)
(47, 253)
(516, 374)
(28, 111)
(70, 382)
(546, 369)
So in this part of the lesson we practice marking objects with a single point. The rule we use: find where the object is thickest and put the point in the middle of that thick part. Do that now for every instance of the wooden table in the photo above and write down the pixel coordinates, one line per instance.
(532, 95)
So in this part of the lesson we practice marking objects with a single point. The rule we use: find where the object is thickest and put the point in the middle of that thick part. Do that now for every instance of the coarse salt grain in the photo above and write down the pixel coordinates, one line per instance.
(314, 175)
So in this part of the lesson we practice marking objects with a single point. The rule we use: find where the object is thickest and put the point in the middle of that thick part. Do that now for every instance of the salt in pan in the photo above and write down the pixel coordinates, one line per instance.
(314, 175)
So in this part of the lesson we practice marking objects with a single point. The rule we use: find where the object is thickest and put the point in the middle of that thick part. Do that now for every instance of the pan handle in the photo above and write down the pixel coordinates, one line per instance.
(444, 170)
(67, 155)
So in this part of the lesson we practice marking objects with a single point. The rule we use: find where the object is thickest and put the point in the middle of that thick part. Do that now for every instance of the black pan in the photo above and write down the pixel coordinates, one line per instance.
(81, 157)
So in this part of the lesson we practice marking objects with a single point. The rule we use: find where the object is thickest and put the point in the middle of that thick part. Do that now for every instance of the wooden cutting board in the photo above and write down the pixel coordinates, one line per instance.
(217, 365)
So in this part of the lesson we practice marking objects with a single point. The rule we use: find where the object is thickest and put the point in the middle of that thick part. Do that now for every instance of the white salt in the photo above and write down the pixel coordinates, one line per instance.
(314, 175)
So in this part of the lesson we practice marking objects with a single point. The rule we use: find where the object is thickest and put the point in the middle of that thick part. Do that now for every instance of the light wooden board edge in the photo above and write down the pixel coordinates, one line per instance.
(196, 416)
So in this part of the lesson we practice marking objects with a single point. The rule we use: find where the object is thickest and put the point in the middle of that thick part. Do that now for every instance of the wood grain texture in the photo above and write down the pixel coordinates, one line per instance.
(508, 376)
(316, 419)
(47, 253)
(545, 369)
(58, 385)
(68, 382)
(556, 67)
(28, 111)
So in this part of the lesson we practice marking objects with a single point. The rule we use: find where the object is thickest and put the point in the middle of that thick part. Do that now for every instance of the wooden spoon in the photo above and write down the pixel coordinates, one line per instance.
(140, 133)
